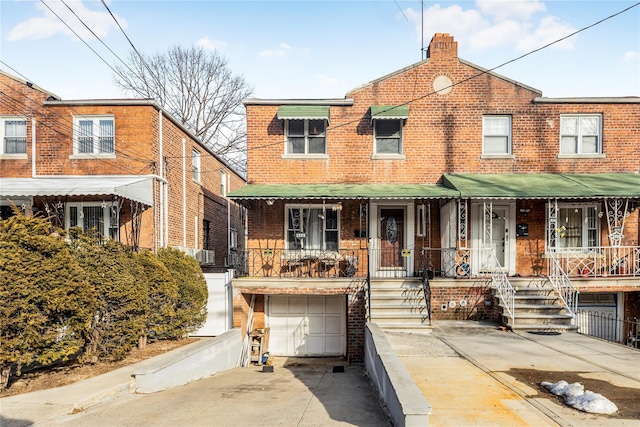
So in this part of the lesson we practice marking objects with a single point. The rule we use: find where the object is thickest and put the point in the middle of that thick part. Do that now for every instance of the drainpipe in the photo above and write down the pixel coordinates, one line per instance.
(161, 206)
(184, 193)
(33, 147)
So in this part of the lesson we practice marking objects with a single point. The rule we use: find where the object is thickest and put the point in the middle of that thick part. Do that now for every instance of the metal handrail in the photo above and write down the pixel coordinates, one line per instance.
(426, 286)
(505, 289)
(562, 285)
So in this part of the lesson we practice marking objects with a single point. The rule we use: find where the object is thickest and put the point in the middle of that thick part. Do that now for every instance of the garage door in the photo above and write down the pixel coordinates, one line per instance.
(306, 325)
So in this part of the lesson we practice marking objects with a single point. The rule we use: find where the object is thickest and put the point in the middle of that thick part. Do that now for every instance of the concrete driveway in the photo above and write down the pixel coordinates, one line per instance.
(299, 392)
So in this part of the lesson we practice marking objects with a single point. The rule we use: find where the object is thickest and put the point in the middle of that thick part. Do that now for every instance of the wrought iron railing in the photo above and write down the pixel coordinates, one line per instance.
(610, 327)
(306, 263)
(501, 283)
(562, 285)
(599, 261)
(426, 275)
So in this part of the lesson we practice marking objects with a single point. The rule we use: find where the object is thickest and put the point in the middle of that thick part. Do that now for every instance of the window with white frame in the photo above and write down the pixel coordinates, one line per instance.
(388, 136)
(233, 238)
(101, 216)
(306, 136)
(14, 135)
(195, 165)
(312, 227)
(94, 135)
(577, 227)
(580, 134)
(496, 135)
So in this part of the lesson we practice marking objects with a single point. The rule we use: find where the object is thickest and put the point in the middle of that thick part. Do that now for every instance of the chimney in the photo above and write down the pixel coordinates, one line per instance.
(442, 46)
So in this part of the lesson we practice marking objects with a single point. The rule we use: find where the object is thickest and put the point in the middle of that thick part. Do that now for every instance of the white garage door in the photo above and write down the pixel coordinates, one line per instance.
(306, 326)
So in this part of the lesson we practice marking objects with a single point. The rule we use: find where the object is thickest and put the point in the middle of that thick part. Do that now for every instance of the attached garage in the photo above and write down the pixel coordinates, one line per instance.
(307, 325)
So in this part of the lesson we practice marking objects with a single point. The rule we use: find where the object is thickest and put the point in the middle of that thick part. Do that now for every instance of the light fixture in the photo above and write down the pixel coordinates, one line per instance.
(337, 207)
(270, 202)
(525, 211)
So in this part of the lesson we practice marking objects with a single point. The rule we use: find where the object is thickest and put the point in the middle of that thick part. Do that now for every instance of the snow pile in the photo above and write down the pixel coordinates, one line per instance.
(577, 398)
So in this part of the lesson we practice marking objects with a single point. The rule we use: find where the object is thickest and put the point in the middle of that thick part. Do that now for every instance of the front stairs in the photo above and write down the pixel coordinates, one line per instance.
(537, 307)
(399, 304)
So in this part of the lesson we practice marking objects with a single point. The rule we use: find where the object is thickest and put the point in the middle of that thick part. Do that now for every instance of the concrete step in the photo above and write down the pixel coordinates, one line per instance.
(543, 319)
(542, 328)
(404, 317)
(424, 328)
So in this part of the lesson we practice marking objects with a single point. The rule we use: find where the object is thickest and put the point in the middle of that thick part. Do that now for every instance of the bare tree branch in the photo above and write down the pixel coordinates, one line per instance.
(198, 88)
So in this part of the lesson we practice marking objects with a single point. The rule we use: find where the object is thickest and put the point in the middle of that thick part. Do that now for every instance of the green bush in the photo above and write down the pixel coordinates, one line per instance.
(121, 291)
(46, 302)
(191, 308)
(162, 295)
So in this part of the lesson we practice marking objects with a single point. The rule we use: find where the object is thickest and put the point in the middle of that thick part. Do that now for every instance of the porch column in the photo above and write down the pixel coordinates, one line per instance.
(616, 210)
(487, 225)
(463, 225)
(552, 218)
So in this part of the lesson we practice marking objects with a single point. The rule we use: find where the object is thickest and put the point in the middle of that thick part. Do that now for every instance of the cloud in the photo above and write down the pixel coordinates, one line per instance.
(207, 44)
(327, 80)
(517, 9)
(49, 24)
(281, 51)
(630, 55)
(522, 24)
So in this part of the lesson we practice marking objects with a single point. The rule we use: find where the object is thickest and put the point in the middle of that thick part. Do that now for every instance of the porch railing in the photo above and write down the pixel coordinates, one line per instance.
(610, 327)
(308, 263)
(599, 261)
(500, 282)
(562, 285)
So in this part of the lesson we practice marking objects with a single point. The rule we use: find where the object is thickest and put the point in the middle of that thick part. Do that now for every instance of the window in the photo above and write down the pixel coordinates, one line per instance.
(388, 136)
(195, 165)
(306, 136)
(206, 227)
(312, 228)
(580, 134)
(14, 135)
(578, 227)
(496, 135)
(94, 135)
(233, 238)
(103, 217)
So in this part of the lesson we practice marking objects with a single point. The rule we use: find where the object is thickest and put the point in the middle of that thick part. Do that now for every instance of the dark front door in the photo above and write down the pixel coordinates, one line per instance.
(391, 237)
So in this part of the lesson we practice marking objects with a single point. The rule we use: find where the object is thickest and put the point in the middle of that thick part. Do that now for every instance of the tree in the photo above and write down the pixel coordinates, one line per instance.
(191, 308)
(198, 88)
(46, 303)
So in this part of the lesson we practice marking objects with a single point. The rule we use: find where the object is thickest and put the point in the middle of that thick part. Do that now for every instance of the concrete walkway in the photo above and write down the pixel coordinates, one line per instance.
(476, 375)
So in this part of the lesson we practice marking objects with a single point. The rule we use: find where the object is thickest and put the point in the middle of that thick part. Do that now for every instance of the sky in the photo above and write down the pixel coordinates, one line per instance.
(323, 49)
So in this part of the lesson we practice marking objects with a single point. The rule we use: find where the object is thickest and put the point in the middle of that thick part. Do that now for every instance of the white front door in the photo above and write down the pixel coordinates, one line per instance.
(307, 325)
(498, 234)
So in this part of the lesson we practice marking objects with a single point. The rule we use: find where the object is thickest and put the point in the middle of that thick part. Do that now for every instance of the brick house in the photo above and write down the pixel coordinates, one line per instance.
(125, 166)
(443, 191)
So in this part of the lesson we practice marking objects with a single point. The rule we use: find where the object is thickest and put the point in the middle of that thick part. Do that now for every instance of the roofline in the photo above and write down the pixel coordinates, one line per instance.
(29, 84)
(387, 76)
(144, 102)
(589, 100)
(274, 101)
(500, 76)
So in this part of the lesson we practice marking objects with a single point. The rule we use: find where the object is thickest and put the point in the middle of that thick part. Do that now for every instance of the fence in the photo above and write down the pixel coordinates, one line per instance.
(609, 327)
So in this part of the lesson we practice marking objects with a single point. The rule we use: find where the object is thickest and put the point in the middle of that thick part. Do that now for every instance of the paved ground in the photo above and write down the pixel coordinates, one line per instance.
(471, 373)
(476, 375)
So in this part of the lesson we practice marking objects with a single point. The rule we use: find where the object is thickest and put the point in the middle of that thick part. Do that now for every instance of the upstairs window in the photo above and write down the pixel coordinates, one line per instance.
(388, 121)
(195, 165)
(388, 135)
(496, 135)
(14, 135)
(306, 136)
(580, 134)
(94, 135)
(312, 228)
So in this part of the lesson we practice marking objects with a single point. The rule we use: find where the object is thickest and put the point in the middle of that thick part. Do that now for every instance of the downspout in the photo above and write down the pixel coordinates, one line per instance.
(184, 193)
(226, 190)
(161, 205)
(33, 148)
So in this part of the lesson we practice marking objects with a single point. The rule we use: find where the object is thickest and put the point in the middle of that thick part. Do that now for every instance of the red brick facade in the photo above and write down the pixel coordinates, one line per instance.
(142, 130)
(447, 99)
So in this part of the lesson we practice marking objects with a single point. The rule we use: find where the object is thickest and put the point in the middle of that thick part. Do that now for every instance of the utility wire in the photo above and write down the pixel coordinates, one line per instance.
(487, 71)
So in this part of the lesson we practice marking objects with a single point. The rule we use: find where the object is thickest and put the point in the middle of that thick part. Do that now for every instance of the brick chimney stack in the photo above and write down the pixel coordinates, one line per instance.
(442, 47)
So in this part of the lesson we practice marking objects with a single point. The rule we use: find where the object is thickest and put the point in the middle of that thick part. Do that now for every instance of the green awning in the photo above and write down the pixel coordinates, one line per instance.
(389, 112)
(301, 112)
(537, 186)
(343, 191)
